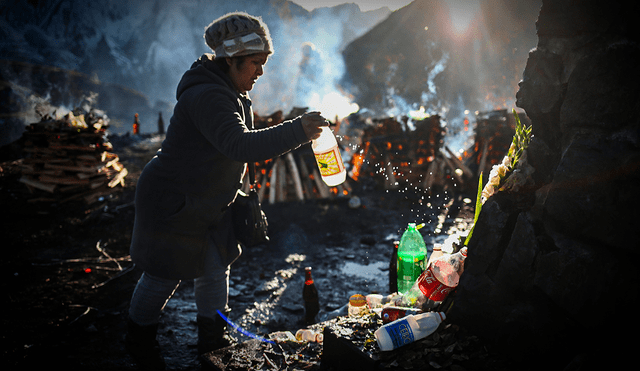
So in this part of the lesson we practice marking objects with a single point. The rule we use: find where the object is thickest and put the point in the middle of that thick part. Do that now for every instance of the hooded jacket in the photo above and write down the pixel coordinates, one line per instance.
(183, 192)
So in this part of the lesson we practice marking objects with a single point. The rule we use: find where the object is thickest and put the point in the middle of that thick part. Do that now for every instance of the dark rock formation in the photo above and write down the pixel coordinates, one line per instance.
(551, 273)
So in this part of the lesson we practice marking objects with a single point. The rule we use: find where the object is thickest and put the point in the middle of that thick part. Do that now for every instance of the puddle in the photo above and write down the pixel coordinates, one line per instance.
(373, 271)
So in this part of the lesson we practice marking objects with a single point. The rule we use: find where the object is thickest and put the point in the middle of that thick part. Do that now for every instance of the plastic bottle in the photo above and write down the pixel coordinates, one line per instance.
(328, 158)
(408, 329)
(309, 335)
(375, 301)
(435, 283)
(310, 297)
(437, 252)
(282, 336)
(412, 257)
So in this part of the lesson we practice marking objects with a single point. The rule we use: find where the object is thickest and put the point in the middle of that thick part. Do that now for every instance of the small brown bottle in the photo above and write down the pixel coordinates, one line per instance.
(393, 268)
(160, 124)
(310, 297)
(136, 125)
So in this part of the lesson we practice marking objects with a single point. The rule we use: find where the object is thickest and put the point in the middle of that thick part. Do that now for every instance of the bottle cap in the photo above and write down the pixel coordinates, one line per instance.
(357, 300)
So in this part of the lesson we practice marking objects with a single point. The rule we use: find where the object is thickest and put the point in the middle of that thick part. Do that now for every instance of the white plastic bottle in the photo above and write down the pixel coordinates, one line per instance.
(309, 335)
(408, 329)
(328, 158)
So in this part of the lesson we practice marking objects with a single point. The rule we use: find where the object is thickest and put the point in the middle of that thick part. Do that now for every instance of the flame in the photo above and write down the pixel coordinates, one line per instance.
(357, 160)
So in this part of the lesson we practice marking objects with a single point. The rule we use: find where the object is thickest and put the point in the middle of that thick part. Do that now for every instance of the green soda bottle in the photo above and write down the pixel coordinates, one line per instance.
(412, 258)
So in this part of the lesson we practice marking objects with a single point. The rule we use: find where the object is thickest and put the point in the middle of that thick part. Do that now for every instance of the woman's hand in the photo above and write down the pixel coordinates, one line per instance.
(312, 123)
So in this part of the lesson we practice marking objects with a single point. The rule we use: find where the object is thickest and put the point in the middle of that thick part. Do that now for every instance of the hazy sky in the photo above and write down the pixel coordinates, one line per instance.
(365, 5)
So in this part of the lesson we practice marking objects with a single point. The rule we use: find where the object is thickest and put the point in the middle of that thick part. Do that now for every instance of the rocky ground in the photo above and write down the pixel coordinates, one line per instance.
(68, 279)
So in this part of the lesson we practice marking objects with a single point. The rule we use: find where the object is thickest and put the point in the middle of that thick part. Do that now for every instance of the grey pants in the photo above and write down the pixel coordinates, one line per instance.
(152, 293)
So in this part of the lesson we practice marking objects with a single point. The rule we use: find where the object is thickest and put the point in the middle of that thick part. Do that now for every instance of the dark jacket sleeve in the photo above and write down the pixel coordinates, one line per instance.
(218, 115)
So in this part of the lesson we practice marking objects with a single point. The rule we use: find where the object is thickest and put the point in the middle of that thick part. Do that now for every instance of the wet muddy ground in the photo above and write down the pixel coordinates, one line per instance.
(67, 278)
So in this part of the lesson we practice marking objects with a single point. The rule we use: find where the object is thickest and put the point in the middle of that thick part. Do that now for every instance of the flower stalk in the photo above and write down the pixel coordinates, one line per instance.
(509, 165)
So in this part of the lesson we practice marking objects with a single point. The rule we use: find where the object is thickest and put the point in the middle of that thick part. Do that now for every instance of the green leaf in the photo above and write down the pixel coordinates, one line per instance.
(477, 211)
(521, 140)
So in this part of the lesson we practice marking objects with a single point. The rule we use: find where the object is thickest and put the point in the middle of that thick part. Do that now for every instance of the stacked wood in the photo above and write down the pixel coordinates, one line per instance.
(493, 135)
(69, 159)
(293, 176)
(395, 155)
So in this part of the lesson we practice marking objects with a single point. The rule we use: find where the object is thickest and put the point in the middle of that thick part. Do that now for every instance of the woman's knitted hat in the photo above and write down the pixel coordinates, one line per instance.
(236, 34)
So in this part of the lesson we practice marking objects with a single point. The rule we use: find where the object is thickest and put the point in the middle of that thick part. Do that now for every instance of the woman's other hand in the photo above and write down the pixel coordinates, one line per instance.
(312, 123)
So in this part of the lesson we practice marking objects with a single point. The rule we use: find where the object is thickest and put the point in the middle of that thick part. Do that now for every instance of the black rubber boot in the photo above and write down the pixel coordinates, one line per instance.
(143, 346)
(212, 334)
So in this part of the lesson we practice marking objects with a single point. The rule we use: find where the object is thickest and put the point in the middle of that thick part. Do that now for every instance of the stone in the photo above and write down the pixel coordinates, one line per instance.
(517, 266)
(590, 182)
(602, 91)
(557, 277)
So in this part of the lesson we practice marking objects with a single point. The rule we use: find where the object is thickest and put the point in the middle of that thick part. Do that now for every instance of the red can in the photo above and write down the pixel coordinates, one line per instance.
(390, 314)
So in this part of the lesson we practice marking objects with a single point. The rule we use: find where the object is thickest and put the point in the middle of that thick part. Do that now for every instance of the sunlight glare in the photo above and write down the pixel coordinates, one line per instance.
(334, 105)
(462, 13)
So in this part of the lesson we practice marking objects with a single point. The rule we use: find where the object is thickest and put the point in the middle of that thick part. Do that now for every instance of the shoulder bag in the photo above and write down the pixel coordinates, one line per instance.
(249, 221)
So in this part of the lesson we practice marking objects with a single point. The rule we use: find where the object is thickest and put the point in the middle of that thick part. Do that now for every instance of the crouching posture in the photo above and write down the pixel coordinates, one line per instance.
(182, 228)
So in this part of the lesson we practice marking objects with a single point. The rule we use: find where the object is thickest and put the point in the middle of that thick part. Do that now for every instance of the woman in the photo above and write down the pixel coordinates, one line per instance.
(181, 230)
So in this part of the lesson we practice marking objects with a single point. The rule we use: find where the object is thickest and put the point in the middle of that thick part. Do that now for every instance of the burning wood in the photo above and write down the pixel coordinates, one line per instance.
(494, 133)
(69, 159)
(390, 152)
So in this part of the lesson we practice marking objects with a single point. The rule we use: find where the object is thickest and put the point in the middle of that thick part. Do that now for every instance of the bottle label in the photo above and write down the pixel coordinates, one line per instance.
(390, 314)
(330, 162)
(431, 288)
(409, 267)
(400, 333)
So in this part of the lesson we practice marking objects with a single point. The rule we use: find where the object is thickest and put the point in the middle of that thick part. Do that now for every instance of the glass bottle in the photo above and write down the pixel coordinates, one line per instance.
(136, 125)
(393, 268)
(310, 297)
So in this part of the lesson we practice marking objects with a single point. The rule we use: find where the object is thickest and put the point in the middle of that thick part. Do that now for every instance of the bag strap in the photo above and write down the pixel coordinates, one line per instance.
(252, 165)
(252, 174)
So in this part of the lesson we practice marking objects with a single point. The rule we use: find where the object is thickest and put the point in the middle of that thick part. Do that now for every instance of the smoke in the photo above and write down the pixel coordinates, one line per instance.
(27, 108)
(307, 66)
(449, 58)
(134, 54)
(434, 66)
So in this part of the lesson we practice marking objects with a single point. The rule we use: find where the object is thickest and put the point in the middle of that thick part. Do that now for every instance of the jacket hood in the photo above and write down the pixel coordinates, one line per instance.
(204, 71)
